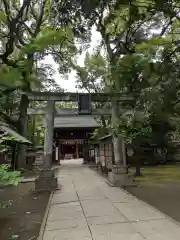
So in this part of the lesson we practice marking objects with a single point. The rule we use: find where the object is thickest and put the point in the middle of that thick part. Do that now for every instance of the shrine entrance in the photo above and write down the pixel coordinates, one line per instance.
(71, 135)
(83, 120)
(71, 149)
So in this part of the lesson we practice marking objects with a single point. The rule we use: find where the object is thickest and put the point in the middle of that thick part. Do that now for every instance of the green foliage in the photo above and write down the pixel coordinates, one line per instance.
(9, 76)
(132, 125)
(30, 38)
(100, 132)
(175, 123)
(28, 34)
(49, 37)
(64, 105)
(8, 177)
(92, 77)
(6, 204)
(131, 132)
(141, 43)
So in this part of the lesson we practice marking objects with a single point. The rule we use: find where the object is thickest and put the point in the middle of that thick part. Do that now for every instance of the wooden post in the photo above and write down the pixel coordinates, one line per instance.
(85, 152)
(77, 150)
(48, 138)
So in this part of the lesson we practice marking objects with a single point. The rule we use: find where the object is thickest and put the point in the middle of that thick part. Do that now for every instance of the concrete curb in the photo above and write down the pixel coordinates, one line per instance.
(43, 224)
(27, 180)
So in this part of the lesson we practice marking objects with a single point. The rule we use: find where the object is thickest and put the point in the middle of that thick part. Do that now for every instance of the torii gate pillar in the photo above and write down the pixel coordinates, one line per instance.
(119, 176)
(47, 180)
(48, 135)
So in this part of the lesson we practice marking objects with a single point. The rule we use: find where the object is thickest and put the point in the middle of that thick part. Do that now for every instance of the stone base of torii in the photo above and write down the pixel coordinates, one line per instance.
(119, 177)
(46, 181)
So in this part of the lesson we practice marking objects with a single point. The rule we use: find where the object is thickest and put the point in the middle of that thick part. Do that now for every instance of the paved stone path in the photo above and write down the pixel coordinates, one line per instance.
(87, 208)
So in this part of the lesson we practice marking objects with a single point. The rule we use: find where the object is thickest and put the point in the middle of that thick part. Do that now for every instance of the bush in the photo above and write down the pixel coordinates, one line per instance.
(8, 178)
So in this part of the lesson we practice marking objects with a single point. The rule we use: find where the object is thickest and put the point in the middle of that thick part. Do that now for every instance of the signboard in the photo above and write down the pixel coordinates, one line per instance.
(72, 142)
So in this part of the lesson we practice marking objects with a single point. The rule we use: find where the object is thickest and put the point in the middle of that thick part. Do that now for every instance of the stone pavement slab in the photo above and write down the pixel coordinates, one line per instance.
(87, 208)
(64, 198)
(139, 212)
(106, 219)
(159, 229)
(90, 193)
(66, 223)
(100, 207)
(57, 212)
(68, 234)
(116, 231)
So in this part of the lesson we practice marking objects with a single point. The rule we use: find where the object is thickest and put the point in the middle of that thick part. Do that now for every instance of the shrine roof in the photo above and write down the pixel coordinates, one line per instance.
(78, 121)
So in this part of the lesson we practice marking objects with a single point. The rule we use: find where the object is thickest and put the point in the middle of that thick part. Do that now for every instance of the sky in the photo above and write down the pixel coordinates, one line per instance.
(70, 84)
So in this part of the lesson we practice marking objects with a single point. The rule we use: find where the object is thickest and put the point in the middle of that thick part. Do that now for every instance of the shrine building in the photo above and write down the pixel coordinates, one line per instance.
(71, 134)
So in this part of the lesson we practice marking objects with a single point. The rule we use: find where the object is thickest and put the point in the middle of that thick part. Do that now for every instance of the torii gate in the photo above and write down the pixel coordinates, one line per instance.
(119, 174)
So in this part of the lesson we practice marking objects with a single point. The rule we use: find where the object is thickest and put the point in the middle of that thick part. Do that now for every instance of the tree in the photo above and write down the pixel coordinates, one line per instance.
(123, 27)
(142, 62)
(93, 79)
(27, 35)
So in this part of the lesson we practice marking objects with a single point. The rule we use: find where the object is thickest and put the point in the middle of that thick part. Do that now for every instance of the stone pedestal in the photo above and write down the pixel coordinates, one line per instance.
(46, 181)
(119, 177)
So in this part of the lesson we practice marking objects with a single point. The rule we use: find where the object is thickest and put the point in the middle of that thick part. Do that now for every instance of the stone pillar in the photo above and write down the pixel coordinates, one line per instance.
(23, 122)
(119, 175)
(47, 180)
(48, 136)
(117, 140)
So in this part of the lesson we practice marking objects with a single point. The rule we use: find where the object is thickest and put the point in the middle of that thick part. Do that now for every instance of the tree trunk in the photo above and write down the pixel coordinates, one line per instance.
(13, 159)
(138, 170)
(138, 162)
(23, 130)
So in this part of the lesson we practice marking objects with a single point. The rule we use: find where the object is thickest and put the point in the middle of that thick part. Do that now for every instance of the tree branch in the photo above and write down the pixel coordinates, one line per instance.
(25, 6)
(7, 9)
(27, 28)
(13, 31)
(39, 19)
(7, 118)
(166, 26)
